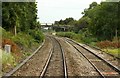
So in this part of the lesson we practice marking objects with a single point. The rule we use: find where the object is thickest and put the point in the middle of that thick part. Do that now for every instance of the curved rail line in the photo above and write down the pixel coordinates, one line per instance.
(22, 63)
(64, 61)
(46, 64)
(89, 61)
(49, 58)
(113, 66)
(105, 61)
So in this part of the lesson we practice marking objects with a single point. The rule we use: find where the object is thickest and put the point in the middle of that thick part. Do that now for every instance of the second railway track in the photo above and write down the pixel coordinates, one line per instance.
(102, 67)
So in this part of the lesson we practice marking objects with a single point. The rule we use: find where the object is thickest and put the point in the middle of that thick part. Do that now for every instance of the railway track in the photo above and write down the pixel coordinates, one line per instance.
(102, 66)
(56, 64)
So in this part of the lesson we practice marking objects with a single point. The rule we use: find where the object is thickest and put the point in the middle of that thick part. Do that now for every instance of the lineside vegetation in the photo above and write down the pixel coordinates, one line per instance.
(21, 30)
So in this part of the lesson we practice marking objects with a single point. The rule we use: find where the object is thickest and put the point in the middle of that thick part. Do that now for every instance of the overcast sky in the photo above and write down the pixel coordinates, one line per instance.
(54, 10)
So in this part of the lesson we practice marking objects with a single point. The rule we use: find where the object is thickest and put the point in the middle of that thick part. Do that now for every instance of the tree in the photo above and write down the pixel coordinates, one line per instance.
(67, 21)
(91, 6)
(104, 20)
(84, 22)
(94, 4)
(19, 16)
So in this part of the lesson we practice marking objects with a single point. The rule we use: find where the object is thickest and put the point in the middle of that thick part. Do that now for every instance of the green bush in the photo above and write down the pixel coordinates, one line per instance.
(37, 35)
(23, 40)
(66, 34)
(89, 40)
(71, 35)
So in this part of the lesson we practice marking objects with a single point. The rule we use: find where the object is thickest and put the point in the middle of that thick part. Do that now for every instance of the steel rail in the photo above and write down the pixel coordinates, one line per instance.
(107, 62)
(46, 64)
(64, 61)
(49, 58)
(88, 60)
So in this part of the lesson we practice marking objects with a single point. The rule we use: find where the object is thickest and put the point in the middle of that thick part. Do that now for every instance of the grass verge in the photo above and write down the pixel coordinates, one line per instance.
(115, 52)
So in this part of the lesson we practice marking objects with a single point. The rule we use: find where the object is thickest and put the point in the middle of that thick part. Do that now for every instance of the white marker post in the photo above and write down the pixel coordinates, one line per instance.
(8, 48)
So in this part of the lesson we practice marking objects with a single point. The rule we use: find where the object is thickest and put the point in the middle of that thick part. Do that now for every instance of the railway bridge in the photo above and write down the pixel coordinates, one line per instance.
(51, 26)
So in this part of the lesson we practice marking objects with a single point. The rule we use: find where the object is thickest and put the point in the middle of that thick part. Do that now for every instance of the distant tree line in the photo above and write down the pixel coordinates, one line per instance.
(67, 21)
(99, 20)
